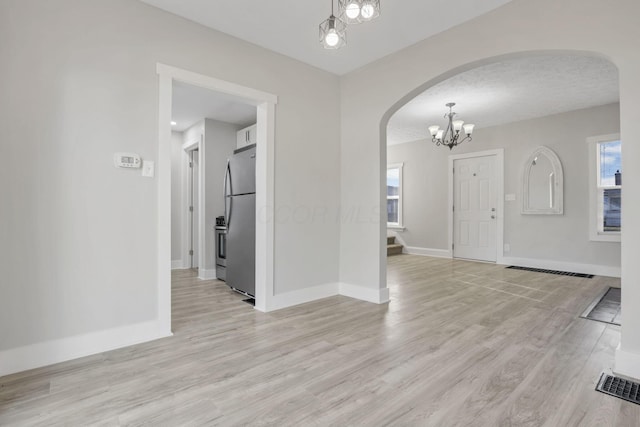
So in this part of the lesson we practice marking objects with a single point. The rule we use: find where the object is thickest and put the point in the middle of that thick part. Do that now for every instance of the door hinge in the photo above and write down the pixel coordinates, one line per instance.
(190, 208)
(453, 208)
(453, 245)
(190, 164)
(191, 252)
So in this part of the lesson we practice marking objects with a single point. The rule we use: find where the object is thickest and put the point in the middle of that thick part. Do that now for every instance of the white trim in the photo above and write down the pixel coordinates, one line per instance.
(177, 264)
(499, 153)
(206, 274)
(301, 296)
(592, 147)
(265, 187)
(60, 350)
(376, 296)
(265, 206)
(184, 203)
(436, 253)
(598, 270)
(163, 175)
(627, 364)
(252, 95)
(188, 147)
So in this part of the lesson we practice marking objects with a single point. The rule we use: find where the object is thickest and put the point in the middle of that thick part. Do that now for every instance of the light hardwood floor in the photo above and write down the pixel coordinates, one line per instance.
(460, 344)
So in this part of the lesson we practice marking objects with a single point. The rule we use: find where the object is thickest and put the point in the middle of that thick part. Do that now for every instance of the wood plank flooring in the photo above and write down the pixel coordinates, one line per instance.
(460, 344)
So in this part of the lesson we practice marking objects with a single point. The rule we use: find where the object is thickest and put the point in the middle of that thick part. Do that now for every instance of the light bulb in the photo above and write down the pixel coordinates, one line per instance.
(332, 38)
(352, 10)
(367, 11)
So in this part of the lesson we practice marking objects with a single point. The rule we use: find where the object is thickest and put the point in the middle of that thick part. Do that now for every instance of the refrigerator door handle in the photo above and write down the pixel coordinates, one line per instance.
(227, 179)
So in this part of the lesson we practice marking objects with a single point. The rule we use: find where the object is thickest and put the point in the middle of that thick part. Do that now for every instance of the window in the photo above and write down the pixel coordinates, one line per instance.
(394, 196)
(606, 192)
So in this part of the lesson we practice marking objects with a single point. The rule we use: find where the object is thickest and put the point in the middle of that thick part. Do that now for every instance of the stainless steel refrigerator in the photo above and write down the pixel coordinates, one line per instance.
(240, 216)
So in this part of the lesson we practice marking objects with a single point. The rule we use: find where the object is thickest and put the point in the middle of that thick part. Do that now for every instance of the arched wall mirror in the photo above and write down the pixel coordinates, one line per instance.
(542, 183)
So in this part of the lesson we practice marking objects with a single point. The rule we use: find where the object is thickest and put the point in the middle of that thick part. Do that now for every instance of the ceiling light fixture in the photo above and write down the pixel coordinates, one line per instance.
(333, 32)
(451, 135)
(357, 11)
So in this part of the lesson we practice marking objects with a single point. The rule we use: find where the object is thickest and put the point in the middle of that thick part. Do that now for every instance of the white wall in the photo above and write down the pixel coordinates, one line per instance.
(176, 199)
(86, 71)
(541, 237)
(371, 94)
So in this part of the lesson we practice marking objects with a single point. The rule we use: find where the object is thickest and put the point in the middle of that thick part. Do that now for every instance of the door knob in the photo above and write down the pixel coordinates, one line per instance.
(493, 217)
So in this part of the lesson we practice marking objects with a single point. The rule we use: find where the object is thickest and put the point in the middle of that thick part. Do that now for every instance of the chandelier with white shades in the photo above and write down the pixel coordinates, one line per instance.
(450, 136)
(333, 31)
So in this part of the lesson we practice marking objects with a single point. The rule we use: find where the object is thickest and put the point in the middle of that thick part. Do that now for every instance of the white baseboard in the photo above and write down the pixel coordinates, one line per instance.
(177, 264)
(627, 364)
(60, 350)
(598, 270)
(207, 274)
(437, 253)
(289, 299)
(376, 296)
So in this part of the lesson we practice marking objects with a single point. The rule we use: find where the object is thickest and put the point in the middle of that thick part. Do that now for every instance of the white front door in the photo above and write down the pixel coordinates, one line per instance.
(474, 208)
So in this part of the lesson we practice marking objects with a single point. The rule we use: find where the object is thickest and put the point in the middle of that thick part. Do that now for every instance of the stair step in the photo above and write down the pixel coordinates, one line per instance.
(391, 240)
(394, 249)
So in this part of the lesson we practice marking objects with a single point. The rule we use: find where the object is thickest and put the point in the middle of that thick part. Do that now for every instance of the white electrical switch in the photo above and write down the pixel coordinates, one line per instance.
(148, 168)
(509, 197)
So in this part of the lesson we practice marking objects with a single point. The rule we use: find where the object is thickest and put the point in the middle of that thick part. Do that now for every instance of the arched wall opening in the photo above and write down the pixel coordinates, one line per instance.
(578, 167)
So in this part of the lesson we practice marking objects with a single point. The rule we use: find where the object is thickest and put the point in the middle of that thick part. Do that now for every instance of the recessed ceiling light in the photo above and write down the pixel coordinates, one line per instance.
(173, 123)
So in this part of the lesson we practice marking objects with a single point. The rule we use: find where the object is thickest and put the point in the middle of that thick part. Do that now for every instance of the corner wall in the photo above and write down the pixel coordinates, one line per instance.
(78, 237)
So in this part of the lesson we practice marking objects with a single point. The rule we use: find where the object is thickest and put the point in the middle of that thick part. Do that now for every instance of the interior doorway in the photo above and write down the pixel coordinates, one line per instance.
(265, 172)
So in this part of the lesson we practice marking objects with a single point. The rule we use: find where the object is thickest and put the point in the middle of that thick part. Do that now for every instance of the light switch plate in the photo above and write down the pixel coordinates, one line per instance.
(509, 197)
(148, 168)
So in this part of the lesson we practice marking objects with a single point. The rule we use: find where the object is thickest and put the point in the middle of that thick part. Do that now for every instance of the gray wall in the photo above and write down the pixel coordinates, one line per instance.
(176, 196)
(544, 237)
(78, 237)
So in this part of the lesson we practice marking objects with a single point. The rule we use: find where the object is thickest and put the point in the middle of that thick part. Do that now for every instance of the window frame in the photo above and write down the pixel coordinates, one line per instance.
(595, 206)
(399, 197)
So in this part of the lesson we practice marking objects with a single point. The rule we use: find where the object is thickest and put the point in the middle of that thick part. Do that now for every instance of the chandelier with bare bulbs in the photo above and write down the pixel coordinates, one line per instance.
(450, 136)
(333, 30)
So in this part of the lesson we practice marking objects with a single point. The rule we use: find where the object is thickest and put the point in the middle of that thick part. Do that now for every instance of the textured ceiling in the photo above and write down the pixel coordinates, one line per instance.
(509, 91)
(191, 104)
(290, 27)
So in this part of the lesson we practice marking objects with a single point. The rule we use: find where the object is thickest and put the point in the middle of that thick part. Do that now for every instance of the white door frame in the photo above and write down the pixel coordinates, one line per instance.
(187, 148)
(265, 167)
(499, 153)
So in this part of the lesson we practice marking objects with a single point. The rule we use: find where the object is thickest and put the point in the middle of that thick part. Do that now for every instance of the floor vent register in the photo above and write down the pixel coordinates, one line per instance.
(560, 273)
(619, 387)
